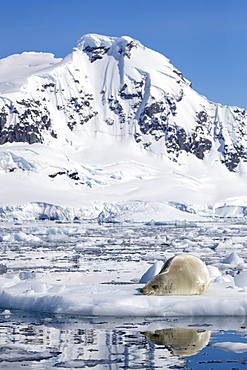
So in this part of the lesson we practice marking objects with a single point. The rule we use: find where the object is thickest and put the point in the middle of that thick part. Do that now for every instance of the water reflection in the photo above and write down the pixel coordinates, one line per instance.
(47, 341)
(180, 342)
(44, 341)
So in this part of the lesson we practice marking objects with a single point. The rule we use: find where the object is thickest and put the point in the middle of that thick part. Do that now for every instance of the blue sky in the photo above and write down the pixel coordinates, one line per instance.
(205, 39)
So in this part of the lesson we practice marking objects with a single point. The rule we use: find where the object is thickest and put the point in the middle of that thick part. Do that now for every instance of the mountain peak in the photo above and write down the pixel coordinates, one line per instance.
(99, 44)
(94, 41)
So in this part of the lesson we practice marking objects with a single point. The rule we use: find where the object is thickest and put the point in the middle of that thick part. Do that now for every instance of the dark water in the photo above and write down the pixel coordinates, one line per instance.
(44, 341)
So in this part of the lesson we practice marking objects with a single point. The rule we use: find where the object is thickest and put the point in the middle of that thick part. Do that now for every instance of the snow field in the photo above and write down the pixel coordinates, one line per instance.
(53, 184)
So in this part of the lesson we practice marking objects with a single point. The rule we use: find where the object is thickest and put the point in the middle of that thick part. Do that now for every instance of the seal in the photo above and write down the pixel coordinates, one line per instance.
(183, 274)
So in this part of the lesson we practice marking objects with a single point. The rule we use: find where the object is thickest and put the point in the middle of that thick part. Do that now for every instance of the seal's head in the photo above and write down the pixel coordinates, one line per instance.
(157, 286)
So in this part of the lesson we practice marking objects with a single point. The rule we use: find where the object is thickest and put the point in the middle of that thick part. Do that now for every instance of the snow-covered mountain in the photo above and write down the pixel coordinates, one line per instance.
(114, 121)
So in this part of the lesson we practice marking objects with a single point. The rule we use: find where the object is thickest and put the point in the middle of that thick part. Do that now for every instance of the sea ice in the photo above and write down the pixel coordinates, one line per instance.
(92, 269)
(19, 237)
(231, 346)
(234, 260)
(241, 279)
(214, 272)
(151, 272)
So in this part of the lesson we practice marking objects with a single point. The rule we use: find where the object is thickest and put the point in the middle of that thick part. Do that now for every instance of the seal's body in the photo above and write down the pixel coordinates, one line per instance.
(181, 275)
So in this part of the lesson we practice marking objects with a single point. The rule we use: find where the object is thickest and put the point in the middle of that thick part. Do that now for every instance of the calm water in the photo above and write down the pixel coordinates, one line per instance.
(43, 341)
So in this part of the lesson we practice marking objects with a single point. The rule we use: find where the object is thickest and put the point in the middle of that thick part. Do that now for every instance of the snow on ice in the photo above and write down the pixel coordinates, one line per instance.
(97, 270)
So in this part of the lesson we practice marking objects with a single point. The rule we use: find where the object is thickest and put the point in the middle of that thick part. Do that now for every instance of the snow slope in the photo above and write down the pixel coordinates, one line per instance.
(40, 182)
(16, 69)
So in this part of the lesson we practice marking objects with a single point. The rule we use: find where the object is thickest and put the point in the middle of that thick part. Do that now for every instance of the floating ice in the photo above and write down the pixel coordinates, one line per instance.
(233, 259)
(118, 300)
(241, 279)
(54, 230)
(151, 272)
(214, 272)
(95, 270)
(19, 237)
(231, 346)
(224, 245)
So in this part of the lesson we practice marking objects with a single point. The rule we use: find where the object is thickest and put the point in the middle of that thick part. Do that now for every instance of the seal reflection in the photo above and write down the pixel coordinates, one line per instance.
(180, 342)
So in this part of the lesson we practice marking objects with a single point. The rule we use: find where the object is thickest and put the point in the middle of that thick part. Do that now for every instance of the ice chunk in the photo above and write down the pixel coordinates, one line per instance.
(57, 237)
(231, 346)
(6, 313)
(151, 272)
(233, 259)
(241, 279)
(20, 237)
(224, 245)
(214, 272)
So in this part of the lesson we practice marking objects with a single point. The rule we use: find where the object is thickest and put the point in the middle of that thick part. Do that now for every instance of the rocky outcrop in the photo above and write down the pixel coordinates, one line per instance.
(29, 119)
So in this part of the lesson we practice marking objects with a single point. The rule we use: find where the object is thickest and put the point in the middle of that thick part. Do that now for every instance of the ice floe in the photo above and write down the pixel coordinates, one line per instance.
(220, 299)
(231, 346)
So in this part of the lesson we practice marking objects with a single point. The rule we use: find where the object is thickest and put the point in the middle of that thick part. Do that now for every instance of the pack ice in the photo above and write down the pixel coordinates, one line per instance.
(93, 269)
